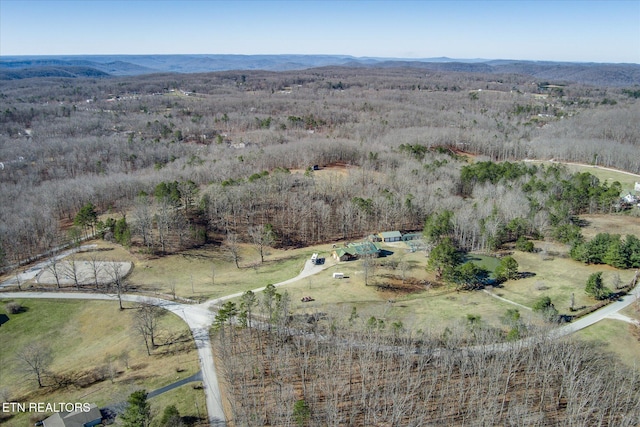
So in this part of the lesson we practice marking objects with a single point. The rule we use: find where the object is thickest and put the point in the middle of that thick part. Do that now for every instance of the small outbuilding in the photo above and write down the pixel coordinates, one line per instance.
(390, 236)
(338, 275)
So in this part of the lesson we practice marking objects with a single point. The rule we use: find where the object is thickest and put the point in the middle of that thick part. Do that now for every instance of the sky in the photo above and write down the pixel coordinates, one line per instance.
(582, 31)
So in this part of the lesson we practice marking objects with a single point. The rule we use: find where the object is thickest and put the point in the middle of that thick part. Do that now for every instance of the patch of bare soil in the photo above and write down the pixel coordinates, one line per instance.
(394, 287)
(340, 168)
(83, 273)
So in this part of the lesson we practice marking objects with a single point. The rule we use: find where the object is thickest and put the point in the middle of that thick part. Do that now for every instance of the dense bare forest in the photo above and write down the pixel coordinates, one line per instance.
(229, 145)
(363, 372)
(295, 158)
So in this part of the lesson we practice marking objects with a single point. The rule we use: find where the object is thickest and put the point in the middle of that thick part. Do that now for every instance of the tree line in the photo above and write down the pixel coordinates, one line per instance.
(340, 369)
(65, 143)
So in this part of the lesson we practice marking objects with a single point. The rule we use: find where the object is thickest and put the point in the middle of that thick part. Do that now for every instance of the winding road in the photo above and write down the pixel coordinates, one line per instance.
(200, 317)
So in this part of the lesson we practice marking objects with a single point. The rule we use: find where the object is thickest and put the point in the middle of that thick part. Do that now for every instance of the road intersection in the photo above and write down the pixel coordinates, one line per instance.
(200, 317)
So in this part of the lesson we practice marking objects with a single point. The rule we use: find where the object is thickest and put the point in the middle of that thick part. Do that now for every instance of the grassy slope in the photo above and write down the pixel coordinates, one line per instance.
(557, 278)
(81, 335)
(188, 399)
(208, 273)
(614, 336)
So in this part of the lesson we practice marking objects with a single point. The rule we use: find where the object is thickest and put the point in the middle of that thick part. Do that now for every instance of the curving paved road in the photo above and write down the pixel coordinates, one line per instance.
(193, 378)
(35, 269)
(200, 318)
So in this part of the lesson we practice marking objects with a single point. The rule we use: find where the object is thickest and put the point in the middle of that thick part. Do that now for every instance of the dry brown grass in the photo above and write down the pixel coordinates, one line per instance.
(622, 339)
(612, 224)
(82, 335)
(208, 272)
(557, 278)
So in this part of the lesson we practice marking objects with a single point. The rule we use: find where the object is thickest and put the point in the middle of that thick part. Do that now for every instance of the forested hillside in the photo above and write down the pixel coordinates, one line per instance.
(231, 155)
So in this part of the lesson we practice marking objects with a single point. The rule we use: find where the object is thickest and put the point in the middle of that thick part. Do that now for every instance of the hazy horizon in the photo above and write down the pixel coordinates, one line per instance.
(566, 31)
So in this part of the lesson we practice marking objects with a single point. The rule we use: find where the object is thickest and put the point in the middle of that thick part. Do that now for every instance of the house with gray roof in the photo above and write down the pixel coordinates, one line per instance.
(390, 236)
(90, 418)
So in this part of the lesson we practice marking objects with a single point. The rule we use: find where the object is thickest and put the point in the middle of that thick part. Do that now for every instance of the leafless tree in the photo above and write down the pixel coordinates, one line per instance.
(110, 367)
(146, 323)
(143, 220)
(96, 266)
(55, 268)
(35, 359)
(369, 263)
(261, 238)
(71, 271)
(115, 271)
(163, 220)
(232, 246)
(124, 358)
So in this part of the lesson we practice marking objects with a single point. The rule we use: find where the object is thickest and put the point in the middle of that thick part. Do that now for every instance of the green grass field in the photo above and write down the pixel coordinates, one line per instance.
(614, 336)
(605, 175)
(209, 273)
(627, 180)
(489, 263)
(82, 336)
(188, 400)
(556, 278)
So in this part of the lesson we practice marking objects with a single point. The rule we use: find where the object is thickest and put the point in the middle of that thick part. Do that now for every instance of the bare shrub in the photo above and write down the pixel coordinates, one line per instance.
(13, 307)
(541, 286)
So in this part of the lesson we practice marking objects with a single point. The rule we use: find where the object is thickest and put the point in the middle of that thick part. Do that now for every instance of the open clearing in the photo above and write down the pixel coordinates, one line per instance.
(85, 273)
(83, 334)
(87, 340)
(556, 278)
(612, 224)
(207, 272)
(626, 179)
(619, 340)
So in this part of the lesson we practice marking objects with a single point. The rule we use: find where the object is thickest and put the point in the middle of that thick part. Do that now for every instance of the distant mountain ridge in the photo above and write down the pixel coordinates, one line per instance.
(17, 67)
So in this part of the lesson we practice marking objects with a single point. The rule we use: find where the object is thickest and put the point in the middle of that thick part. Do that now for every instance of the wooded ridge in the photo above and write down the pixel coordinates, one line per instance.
(18, 67)
(238, 149)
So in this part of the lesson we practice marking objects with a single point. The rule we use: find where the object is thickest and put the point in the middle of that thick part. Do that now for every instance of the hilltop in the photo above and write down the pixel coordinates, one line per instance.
(20, 67)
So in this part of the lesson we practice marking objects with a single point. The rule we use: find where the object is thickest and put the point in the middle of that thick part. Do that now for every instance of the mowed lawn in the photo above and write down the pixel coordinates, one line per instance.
(558, 278)
(417, 306)
(83, 336)
(209, 272)
(614, 336)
